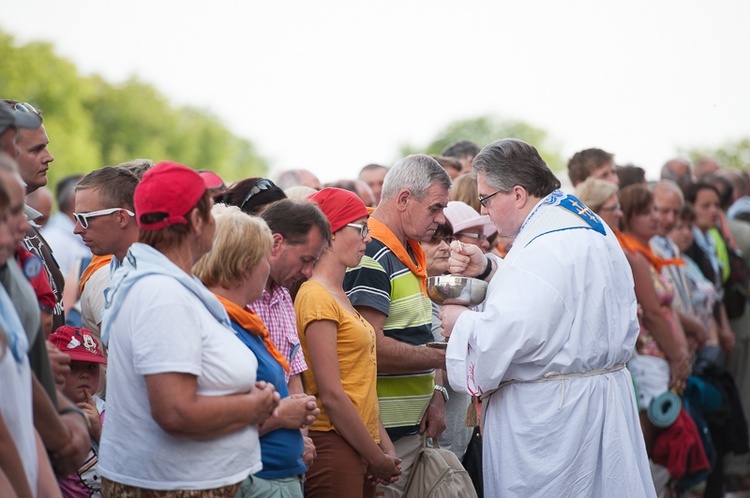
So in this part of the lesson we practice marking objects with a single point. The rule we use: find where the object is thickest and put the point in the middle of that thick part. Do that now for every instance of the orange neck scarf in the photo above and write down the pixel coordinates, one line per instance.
(96, 263)
(629, 243)
(379, 231)
(248, 320)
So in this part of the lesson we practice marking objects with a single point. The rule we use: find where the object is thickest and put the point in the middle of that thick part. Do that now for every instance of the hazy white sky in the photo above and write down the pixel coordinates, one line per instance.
(334, 85)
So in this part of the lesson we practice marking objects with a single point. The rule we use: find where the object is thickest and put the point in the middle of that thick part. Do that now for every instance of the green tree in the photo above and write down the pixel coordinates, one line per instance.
(92, 123)
(486, 129)
(735, 154)
(34, 73)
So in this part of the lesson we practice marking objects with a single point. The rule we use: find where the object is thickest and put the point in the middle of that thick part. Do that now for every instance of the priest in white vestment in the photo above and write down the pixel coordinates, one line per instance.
(549, 349)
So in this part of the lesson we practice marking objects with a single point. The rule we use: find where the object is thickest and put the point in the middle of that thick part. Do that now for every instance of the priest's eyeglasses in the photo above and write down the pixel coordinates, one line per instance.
(483, 200)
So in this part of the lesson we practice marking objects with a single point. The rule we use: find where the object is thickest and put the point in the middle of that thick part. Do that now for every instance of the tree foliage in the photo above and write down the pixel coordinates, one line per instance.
(92, 123)
(486, 129)
(734, 154)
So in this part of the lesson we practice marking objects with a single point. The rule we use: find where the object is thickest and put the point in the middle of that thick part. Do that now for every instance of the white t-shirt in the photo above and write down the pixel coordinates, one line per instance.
(162, 327)
(15, 391)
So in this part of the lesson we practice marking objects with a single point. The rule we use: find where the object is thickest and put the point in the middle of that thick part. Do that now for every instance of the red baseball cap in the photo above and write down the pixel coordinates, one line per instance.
(340, 206)
(78, 343)
(211, 179)
(170, 189)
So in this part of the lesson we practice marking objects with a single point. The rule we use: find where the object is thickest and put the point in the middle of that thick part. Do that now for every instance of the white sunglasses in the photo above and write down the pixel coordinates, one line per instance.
(83, 218)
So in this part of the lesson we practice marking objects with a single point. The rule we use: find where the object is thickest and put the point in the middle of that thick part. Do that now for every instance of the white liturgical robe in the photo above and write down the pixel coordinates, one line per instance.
(562, 302)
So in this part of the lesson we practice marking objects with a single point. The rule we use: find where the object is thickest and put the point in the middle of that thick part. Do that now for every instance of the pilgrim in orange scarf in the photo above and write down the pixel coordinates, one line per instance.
(379, 231)
(629, 243)
(96, 263)
(248, 320)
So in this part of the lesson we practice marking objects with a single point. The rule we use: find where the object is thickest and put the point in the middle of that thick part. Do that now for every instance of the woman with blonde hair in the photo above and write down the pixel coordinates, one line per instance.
(236, 272)
(601, 197)
(353, 448)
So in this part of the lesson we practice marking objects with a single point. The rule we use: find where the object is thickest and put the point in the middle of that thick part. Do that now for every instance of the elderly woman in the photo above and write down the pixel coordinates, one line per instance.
(236, 273)
(339, 345)
(469, 227)
(183, 403)
(437, 251)
(663, 360)
(601, 197)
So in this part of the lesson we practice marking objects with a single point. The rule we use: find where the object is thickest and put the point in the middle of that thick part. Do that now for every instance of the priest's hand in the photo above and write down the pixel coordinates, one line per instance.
(466, 259)
(449, 313)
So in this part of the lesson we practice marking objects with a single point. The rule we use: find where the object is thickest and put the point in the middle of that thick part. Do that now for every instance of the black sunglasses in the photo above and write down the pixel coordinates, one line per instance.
(260, 186)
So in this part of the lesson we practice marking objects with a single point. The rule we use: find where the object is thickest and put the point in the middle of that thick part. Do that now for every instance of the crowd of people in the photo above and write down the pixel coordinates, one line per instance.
(166, 334)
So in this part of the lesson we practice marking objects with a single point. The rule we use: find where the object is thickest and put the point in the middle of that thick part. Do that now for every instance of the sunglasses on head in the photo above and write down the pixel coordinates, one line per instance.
(260, 186)
(25, 107)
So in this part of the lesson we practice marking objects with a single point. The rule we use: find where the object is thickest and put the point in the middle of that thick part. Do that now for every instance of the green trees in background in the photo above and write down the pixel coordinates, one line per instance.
(92, 123)
(486, 129)
(734, 154)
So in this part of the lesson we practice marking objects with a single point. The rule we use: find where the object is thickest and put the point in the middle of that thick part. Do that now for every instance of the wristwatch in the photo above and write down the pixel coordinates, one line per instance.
(443, 391)
(486, 271)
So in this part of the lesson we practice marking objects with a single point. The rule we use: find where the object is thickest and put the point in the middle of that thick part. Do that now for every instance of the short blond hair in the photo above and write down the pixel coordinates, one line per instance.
(594, 192)
(240, 243)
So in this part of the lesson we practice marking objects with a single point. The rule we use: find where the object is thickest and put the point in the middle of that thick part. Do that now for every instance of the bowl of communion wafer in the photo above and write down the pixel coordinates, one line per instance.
(456, 289)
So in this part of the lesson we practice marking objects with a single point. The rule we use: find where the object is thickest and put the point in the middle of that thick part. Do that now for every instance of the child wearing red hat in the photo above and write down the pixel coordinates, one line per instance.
(86, 360)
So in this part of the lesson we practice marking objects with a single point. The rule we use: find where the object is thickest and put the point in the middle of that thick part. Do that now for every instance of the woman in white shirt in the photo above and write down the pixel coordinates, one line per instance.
(183, 403)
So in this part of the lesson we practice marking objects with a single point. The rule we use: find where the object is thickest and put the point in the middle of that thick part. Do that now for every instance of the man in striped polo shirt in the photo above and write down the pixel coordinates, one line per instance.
(387, 288)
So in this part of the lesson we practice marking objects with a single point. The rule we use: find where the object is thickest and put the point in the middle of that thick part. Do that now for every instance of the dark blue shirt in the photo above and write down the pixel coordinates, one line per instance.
(280, 450)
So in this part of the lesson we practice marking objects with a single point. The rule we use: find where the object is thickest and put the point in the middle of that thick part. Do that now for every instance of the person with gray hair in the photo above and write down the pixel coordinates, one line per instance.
(387, 289)
(679, 171)
(292, 177)
(668, 201)
(547, 354)
(67, 246)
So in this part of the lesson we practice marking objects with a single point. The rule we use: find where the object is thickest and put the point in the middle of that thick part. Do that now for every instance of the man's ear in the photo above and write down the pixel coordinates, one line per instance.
(125, 219)
(196, 220)
(521, 196)
(402, 199)
(278, 244)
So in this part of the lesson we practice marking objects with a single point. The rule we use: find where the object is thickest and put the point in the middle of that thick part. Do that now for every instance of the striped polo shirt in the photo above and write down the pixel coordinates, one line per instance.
(383, 282)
